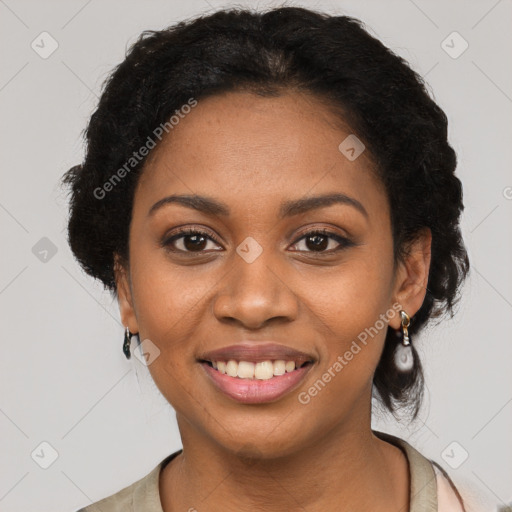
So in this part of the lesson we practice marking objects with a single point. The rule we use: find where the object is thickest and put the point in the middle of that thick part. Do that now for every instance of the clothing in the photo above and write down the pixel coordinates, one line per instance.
(430, 490)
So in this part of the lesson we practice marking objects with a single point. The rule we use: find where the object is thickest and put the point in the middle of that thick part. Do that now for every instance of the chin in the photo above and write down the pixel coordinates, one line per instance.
(253, 444)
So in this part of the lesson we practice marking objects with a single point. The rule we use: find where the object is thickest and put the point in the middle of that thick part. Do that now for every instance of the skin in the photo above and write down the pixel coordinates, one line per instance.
(252, 153)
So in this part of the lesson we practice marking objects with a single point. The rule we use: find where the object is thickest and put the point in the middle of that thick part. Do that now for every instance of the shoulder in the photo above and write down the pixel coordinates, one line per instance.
(448, 496)
(431, 488)
(121, 500)
(124, 500)
(142, 495)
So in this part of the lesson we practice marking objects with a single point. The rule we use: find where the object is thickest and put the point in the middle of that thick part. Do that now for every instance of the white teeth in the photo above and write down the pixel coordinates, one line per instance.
(279, 367)
(290, 366)
(232, 368)
(262, 370)
(245, 370)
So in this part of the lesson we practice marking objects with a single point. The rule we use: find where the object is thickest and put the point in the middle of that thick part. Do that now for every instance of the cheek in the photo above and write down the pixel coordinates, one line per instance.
(168, 299)
(167, 308)
(350, 308)
(350, 297)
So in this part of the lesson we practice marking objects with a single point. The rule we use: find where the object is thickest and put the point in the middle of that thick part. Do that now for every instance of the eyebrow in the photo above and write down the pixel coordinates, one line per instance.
(211, 206)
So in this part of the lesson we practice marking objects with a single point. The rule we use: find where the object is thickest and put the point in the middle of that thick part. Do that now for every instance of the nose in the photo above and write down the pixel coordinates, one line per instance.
(253, 294)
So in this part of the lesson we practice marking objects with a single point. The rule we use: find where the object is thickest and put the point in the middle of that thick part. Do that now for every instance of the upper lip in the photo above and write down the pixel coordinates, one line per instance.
(255, 352)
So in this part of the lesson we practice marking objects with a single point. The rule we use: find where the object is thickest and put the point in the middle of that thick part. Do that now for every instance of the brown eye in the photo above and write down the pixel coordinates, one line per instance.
(189, 240)
(194, 242)
(317, 242)
(321, 240)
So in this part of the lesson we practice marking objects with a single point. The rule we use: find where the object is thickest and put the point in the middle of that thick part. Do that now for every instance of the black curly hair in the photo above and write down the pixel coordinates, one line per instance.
(370, 88)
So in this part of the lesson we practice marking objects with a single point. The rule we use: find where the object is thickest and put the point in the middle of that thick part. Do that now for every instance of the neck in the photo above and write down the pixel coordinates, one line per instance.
(348, 469)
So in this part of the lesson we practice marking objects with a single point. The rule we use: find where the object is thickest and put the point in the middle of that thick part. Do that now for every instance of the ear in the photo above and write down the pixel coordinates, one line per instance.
(410, 286)
(124, 295)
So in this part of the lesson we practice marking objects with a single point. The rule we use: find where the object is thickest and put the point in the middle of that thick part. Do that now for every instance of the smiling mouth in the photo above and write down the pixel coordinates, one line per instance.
(260, 370)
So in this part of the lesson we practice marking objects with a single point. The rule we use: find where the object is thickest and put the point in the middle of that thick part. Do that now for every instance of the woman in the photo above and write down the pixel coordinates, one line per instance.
(271, 198)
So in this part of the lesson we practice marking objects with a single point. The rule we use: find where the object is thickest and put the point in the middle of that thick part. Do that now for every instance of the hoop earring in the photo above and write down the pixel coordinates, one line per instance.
(127, 342)
(404, 359)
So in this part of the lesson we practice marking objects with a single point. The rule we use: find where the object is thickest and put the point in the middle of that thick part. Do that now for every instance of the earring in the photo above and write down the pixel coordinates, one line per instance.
(127, 341)
(404, 360)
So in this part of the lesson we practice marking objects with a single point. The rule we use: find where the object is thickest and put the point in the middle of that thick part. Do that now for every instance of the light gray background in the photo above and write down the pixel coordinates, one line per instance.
(64, 379)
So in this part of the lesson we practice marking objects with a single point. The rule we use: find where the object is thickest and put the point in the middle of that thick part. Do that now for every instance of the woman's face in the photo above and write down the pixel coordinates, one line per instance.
(252, 276)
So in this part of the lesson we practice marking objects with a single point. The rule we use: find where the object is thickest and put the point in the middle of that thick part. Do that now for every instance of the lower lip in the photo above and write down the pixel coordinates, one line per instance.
(256, 391)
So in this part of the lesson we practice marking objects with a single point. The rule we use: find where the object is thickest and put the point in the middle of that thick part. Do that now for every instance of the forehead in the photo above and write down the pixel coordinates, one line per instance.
(255, 151)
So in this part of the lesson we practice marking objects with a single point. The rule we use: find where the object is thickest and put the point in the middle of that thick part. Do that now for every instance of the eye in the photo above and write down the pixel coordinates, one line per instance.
(320, 239)
(189, 240)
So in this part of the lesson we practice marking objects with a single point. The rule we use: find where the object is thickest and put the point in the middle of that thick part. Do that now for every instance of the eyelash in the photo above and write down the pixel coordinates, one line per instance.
(344, 242)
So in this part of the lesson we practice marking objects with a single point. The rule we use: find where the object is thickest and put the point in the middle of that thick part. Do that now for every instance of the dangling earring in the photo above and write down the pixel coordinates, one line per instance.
(404, 360)
(127, 341)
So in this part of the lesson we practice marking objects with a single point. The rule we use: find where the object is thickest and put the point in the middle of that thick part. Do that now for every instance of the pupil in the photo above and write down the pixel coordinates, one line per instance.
(319, 241)
(198, 243)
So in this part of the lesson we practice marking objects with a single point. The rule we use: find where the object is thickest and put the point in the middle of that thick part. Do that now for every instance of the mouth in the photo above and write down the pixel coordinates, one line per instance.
(250, 373)
(261, 370)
